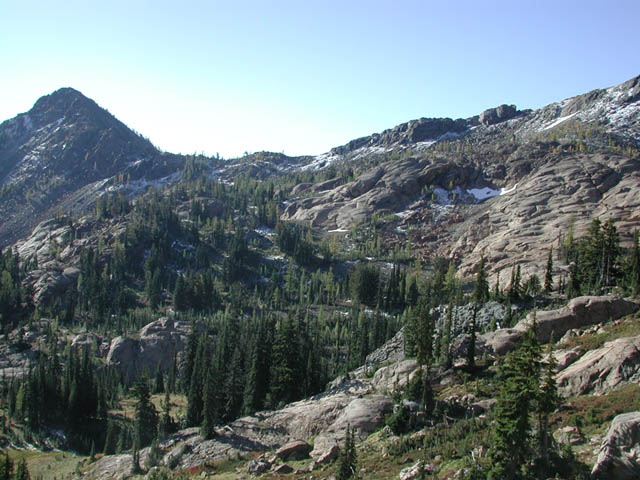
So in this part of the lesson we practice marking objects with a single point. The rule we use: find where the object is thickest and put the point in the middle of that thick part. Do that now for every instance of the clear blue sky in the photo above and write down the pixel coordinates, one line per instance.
(304, 76)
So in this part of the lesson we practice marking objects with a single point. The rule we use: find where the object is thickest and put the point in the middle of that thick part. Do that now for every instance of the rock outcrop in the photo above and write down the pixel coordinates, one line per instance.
(600, 370)
(619, 454)
(155, 345)
(579, 312)
(498, 114)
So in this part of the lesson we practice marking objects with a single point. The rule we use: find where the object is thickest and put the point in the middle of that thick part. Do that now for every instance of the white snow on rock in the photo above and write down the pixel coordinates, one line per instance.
(481, 194)
(508, 190)
(558, 121)
(321, 161)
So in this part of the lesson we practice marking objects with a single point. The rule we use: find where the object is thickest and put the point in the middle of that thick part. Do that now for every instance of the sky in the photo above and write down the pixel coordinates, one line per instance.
(302, 77)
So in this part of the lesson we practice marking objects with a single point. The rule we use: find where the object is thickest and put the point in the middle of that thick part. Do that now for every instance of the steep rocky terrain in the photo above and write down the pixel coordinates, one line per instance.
(222, 247)
(61, 154)
(506, 185)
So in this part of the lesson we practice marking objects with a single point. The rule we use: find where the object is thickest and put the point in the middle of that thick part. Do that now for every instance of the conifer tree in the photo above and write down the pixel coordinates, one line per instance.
(22, 472)
(347, 466)
(146, 416)
(424, 335)
(6, 468)
(471, 346)
(158, 382)
(548, 400)
(166, 425)
(510, 453)
(548, 273)
(481, 289)
(195, 403)
(110, 440)
(634, 265)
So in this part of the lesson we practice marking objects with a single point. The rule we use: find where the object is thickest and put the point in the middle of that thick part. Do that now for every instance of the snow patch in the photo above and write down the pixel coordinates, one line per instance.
(558, 121)
(508, 190)
(483, 193)
(321, 161)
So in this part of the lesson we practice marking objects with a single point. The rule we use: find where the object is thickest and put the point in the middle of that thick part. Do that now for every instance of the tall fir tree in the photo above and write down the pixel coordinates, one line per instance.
(481, 289)
(510, 454)
(548, 273)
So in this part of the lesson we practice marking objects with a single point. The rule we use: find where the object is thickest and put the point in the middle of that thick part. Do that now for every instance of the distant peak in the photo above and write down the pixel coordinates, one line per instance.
(60, 101)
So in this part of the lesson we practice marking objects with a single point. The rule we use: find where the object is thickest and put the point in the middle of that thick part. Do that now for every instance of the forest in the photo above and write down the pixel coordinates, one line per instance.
(275, 316)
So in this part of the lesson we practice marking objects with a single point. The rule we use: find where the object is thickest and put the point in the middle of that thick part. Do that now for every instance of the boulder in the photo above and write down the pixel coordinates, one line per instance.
(579, 312)
(283, 469)
(498, 114)
(564, 358)
(296, 450)
(483, 406)
(257, 467)
(569, 435)
(597, 371)
(620, 450)
(157, 343)
(394, 376)
(328, 455)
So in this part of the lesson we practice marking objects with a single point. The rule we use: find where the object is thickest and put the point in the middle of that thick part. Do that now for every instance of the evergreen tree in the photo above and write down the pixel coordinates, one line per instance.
(110, 440)
(471, 346)
(210, 406)
(610, 255)
(195, 399)
(481, 289)
(424, 335)
(510, 453)
(146, 416)
(22, 472)
(286, 365)
(347, 466)
(548, 400)
(6, 468)
(548, 273)
(158, 383)
(634, 265)
(166, 425)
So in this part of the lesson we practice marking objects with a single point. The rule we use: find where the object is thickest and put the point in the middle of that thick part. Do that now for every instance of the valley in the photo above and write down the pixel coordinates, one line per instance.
(449, 298)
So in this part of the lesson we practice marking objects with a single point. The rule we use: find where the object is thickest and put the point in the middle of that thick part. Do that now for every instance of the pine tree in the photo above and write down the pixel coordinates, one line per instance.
(146, 416)
(195, 399)
(548, 273)
(471, 346)
(210, 404)
(548, 400)
(610, 255)
(445, 338)
(166, 425)
(510, 453)
(6, 468)
(481, 290)
(424, 335)
(22, 472)
(110, 440)
(158, 383)
(634, 265)
(347, 466)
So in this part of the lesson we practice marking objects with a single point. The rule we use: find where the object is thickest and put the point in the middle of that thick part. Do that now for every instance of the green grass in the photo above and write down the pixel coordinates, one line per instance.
(61, 465)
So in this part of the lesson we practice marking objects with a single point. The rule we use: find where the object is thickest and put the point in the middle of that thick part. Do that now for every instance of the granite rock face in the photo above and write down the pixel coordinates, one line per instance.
(498, 114)
(620, 450)
(601, 370)
(156, 344)
(580, 312)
